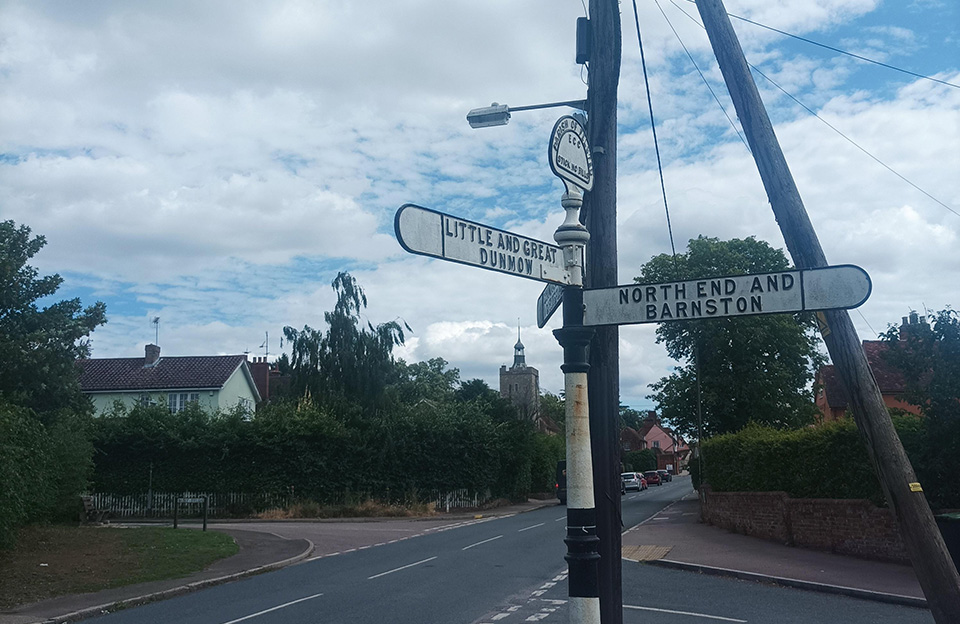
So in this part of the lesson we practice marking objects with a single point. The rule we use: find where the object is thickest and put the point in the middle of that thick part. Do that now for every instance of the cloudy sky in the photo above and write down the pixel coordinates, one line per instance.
(216, 163)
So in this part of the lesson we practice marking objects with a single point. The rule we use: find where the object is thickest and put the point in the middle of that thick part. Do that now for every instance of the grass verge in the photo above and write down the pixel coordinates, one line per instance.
(49, 561)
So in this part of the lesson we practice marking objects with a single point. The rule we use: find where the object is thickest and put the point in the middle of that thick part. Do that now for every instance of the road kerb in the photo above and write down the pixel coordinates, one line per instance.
(854, 592)
(89, 612)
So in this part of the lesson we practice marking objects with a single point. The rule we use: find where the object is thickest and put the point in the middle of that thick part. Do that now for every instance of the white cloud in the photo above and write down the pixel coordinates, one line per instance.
(216, 163)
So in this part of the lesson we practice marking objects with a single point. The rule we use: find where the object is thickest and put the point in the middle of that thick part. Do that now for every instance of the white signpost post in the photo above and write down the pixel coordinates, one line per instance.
(431, 233)
(841, 286)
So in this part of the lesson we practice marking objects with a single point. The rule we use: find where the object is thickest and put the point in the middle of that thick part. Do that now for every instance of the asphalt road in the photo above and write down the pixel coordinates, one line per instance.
(493, 570)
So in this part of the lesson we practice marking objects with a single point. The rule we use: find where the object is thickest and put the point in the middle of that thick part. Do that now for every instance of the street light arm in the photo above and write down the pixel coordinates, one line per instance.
(499, 114)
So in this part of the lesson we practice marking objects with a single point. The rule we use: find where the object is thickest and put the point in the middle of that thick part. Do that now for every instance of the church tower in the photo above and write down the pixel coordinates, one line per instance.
(521, 384)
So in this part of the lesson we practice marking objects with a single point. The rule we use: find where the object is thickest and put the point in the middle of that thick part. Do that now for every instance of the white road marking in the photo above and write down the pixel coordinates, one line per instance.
(410, 565)
(531, 527)
(483, 542)
(560, 518)
(700, 615)
(284, 605)
(500, 616)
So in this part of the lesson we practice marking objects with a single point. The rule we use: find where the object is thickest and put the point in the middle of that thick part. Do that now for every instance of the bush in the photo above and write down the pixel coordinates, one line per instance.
(395, 456)
(639, 461)
(828, 461)
(42, 468)
(547, 451)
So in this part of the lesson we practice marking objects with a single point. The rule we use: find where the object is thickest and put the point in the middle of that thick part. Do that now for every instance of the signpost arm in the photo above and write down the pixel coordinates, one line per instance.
(600, 212)
(935, 570)
(582, 541)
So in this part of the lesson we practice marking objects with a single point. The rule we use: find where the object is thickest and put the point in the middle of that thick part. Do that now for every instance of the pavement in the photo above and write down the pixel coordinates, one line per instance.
(672, 538)
(675, 538)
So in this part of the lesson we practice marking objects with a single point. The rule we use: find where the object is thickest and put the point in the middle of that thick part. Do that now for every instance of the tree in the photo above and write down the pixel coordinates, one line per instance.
(553, 407)
(40, 345)
(928, 357)
(929, 360)
(45, 452)
(752, 369)
(348, 362)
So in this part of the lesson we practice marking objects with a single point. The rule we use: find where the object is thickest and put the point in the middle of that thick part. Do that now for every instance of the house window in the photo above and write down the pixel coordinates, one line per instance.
(656, 444)
(245, 403)
(145, 400)
(177, 401)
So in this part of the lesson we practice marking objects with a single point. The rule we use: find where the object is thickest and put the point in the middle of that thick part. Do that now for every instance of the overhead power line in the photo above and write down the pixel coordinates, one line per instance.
(838, 50)
(822, 120)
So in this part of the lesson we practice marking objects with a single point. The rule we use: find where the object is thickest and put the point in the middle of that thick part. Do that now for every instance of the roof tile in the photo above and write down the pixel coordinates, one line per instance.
(129, 374)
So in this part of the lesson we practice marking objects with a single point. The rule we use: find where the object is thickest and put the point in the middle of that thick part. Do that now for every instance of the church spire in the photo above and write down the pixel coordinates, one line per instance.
(519, 360)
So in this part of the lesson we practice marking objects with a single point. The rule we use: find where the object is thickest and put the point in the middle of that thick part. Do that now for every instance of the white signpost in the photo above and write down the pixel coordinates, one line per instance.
(840, 286)
(431, 233)
(547, 304)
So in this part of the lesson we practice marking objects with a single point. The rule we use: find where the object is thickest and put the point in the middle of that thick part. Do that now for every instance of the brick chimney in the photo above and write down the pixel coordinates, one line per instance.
(912, 325)
(152, 355)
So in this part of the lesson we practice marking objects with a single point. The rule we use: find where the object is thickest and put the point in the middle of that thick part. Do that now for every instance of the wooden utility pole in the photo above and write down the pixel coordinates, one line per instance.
(600, 217)
(931, 561)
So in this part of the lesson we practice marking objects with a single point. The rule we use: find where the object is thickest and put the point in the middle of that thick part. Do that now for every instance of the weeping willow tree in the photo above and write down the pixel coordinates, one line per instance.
(352, 361)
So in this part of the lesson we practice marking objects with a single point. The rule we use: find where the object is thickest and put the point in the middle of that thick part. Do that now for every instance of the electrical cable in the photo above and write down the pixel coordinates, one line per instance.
(653, 127)
(703, 78)
(833, 49)
(852, 142)
(829, 125)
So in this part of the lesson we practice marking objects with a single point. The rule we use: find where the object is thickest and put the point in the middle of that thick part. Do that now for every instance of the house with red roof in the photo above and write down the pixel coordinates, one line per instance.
(667, 445)
(832, 399)
(213, 381)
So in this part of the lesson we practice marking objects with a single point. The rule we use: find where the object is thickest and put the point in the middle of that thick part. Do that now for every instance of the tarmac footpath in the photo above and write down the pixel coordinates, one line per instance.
(675, 538)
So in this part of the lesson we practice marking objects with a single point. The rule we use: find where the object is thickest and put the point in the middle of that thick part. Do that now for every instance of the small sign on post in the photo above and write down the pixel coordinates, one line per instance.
(569, 153)
(840, 286)
(432, 233)
(550, 299)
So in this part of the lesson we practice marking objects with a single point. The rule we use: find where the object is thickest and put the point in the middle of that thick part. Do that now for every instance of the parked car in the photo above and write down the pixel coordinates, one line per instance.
(665, 476)
(631, 481)
(653, 477)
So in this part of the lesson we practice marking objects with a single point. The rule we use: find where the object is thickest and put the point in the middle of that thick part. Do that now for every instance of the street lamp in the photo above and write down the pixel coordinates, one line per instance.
(499, 114)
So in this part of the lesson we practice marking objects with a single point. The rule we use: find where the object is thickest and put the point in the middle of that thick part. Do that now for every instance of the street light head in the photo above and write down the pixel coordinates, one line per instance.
(493, 115)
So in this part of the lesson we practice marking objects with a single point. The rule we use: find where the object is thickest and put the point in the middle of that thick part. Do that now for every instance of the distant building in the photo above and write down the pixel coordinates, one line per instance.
(212, 381)
(667, 445)
(521, 385)
(832, 399)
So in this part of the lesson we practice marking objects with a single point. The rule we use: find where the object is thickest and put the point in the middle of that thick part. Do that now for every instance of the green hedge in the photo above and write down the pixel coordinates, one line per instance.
(398, 456)
(43, 468)
(830, 461)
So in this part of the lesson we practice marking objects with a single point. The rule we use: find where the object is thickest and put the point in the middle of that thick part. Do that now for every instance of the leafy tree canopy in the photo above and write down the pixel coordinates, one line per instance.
(40, 345)
(928, 357)
(757, 368)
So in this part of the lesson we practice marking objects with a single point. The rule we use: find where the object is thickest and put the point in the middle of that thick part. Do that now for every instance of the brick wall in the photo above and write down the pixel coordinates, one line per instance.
(847, 527)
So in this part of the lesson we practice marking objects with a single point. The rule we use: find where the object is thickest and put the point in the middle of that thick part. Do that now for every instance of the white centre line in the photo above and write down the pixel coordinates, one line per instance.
(483, 542)
(286, 604)
(560, 518)
(531, 527)
(410, 565)
(700, 615)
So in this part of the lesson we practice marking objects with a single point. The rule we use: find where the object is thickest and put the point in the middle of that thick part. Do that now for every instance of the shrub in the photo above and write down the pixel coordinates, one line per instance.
(828, 461)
